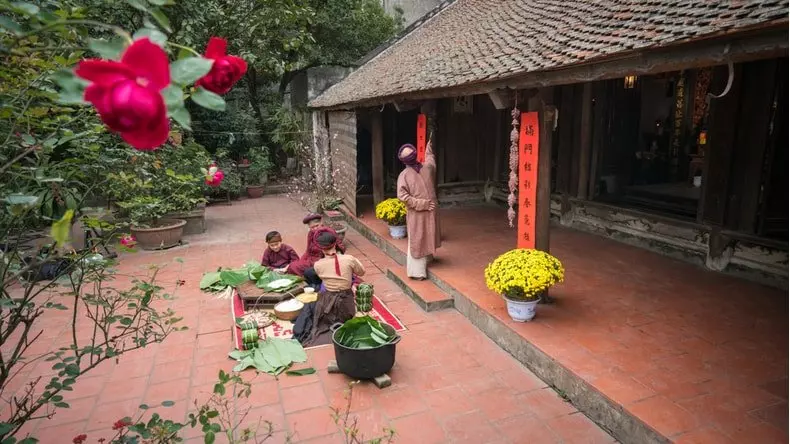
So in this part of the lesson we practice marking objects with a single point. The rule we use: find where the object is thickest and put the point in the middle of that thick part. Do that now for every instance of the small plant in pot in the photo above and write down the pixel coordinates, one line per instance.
(258, 171)
(149, 228)
(522, 276)
(393, 212)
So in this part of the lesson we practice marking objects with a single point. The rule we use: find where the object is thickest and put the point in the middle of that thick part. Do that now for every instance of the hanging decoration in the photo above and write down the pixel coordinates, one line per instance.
(513, 180)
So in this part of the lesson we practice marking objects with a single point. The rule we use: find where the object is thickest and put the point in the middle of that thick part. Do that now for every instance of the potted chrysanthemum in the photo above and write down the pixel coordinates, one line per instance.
(393, 212)
(522, 276)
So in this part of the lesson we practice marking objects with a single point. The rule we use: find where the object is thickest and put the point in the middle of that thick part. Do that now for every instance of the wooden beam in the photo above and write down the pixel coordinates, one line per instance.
(501, 98)
(585, 141)
(377, 158)
(768, 42)
(546, 111)
(405, 105)
(598, 134)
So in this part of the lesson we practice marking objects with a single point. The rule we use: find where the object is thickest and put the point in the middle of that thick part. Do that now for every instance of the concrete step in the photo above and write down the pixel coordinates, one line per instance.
(425, 293)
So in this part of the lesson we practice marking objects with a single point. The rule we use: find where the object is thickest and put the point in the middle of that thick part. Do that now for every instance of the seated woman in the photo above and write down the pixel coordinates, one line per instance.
(336, 302)
(304, 266)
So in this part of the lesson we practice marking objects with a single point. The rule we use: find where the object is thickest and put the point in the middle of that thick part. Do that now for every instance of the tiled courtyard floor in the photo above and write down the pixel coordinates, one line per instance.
(697, 355)
(450, 382)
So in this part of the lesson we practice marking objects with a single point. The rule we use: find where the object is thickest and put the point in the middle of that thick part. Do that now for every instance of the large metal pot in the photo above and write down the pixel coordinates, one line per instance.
(367, 363)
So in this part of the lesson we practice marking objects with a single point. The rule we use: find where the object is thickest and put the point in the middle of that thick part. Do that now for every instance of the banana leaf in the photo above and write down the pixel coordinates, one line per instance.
(363, 332)
(272, 356)
(270, 276)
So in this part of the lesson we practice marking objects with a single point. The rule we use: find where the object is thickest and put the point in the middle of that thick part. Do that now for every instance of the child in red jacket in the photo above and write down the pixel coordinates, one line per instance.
(278, 255)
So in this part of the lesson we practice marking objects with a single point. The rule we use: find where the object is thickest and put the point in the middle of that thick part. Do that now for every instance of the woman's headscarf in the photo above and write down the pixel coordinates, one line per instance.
(408, 155)
(326, 240)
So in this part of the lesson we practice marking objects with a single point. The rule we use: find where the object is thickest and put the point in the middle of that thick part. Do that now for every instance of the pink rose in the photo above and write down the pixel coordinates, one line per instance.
(214, 176)
(127, 240)
(127, 94)
(226, 70)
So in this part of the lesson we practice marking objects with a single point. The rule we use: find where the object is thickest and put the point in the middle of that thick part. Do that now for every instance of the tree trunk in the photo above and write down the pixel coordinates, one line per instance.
(252, 88)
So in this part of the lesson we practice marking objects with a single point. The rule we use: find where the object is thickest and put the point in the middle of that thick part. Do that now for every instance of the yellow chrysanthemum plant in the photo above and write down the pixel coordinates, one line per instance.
(523, 274)
(392, 211)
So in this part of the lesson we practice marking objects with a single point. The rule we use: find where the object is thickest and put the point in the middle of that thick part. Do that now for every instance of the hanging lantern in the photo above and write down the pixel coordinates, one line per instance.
(629, 82)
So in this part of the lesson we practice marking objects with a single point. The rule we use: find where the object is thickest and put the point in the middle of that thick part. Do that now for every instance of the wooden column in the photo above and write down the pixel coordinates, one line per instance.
(585, 141)
(377, 157)
(542, 103)
(429, 109)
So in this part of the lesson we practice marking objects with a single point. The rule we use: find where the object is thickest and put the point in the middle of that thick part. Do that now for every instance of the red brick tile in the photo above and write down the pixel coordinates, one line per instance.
(758, 432)
(704, 435)
(775, 415)
(403, 402)
(286, 381)
(520, 380)
(176, 390)
(485, 384)
(370, 424)
(362, 397)
(105, 416)
(498, 404)
(312, 423)
(469, 428)
(257, 418)
(129, 369)
(51, 431)
(578, 428)
(622, 388)
(526, 428)
(170, 370)
(79, 410)
(87, 386)
(303, 397)
(418, 428)
(664, 415)
(264, 393)
(546, 403)
(209, 374)
(448, 402)
(132, 388)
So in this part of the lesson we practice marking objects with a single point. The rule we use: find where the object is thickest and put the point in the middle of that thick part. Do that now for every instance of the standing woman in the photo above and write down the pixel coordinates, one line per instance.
(417, 189)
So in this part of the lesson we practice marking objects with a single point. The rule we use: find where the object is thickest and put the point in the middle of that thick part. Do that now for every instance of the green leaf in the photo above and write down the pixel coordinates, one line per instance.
(219, 389)
(168, 403)
(187, 71)
(301, 372)
(208, 100)
(9, 25)
(209, 279)
(25, 8)
(5, 428)
(107, 49)
(29, 440)
(174, 97)
(184, 53)
(60, 230)
(233, 278)
(161, 18)
(73, 370)
(208, 438)
(126, 321)
(63, 405)
(144, 407)
(138, 5)
(155, 35)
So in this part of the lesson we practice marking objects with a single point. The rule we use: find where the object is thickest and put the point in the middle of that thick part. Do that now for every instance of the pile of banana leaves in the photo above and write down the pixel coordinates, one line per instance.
(363, 332)
(273, 356)
(216, 281)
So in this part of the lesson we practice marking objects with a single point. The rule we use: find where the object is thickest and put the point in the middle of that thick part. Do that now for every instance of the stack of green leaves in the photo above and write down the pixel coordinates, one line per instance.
(364, 298)
(276, 282)
(216, 281)
(363, 332)
(273, 356)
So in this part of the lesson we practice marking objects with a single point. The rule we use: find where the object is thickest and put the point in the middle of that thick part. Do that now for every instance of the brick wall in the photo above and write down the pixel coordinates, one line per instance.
(343, 146)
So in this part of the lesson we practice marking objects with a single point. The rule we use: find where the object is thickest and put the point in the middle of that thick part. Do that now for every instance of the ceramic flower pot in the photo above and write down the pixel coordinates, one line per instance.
(166, 234)
(255, 191)
(521, 311)
(397, 231)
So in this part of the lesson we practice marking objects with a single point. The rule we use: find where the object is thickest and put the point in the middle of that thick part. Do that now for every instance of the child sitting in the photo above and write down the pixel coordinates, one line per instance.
(278, 255)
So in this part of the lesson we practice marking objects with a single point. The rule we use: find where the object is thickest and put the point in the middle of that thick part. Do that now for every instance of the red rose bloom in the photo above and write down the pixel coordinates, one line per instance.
(121, 423)
(79, 439)
(127, 94)
(226, 70)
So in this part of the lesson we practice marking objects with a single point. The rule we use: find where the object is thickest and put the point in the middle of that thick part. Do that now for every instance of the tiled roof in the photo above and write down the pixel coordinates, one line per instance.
(483, 40)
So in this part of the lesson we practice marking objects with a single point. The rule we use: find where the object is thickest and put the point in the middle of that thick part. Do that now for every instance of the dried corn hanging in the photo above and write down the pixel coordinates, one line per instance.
(513, 180)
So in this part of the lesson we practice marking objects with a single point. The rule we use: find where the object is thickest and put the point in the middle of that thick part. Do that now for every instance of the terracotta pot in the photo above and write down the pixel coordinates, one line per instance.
(166, 235)
(255, 191)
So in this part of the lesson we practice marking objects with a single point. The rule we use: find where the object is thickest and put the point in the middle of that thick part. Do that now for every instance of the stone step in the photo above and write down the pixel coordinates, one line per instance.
(425, 293)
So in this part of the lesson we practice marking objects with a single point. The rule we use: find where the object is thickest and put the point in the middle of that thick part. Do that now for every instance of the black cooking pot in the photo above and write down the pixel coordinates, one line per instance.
(366, 363)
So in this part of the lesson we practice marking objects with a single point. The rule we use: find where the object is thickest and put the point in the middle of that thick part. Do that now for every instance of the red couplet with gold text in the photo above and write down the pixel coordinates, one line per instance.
(422, 128)
(527, 178)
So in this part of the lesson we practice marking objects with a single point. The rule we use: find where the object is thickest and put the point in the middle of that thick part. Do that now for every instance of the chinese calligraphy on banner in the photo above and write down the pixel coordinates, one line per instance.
(422, 129)
(527, 178)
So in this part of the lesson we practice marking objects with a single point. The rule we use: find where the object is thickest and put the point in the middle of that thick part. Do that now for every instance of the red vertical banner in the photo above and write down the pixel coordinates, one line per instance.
(528, 142)
(422, 129)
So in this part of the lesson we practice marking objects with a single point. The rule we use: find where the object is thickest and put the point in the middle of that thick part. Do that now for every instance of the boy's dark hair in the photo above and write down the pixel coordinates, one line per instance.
(270, 236)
